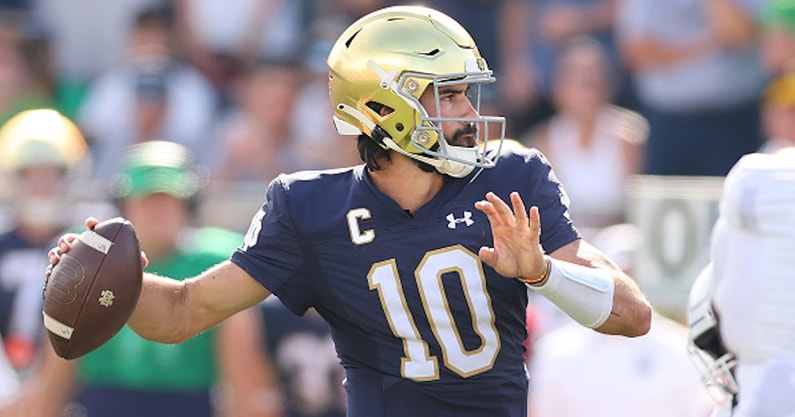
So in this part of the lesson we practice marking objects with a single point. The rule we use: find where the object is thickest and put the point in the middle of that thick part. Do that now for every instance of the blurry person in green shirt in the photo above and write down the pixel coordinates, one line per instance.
(221, 372)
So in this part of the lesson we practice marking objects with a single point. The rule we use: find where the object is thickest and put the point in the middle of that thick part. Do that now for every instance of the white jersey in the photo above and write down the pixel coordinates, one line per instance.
(753, 253)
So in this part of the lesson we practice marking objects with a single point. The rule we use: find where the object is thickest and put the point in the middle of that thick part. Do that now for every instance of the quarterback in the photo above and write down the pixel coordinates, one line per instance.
(419, 259)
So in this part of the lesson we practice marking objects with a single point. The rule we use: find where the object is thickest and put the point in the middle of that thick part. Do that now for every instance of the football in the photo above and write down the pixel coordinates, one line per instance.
(93, 289)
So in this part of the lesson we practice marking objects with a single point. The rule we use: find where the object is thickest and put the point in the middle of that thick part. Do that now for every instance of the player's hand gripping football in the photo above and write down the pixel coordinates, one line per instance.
(517, 251)
(65, 242)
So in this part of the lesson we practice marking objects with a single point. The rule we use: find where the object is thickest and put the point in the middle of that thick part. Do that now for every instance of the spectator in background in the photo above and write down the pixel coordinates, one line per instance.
(778, 37)
(87, 38)
(255, 141)
(222, 38)
(132, 377)
(778, 114)
(152, 96)
(698, 79)
(652, 372)
(594, 145)
(25, 78)
(534, 35)
(38, 148)
(151, 102)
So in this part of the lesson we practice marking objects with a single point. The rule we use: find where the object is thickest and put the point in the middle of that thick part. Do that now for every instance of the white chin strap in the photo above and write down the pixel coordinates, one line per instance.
(454, 169)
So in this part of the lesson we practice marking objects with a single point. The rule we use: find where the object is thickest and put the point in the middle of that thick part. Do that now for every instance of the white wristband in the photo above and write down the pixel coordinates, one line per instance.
(585, 294)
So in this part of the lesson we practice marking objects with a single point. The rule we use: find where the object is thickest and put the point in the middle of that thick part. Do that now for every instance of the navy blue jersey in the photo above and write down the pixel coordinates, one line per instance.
(21, 278)
(412, 309)
(303, 353)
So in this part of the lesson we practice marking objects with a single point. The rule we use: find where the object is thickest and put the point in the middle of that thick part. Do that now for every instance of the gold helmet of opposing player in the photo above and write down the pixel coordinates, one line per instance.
(387, 59)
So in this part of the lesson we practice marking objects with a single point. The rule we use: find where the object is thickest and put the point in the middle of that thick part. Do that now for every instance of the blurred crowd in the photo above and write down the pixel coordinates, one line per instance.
(607, 89)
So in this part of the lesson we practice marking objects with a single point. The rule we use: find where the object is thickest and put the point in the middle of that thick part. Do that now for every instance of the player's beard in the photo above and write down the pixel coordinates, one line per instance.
(42, 212)
(465, 137)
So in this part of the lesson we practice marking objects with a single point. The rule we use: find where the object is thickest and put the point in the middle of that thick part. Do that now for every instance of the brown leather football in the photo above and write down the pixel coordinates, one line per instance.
(93, 289)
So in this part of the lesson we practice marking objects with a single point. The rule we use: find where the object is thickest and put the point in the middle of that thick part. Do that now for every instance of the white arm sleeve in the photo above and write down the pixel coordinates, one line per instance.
(585, 294)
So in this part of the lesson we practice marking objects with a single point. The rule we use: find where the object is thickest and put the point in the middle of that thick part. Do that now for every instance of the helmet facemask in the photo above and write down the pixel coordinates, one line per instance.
(705, 345)
(714, 364)
(450, 158)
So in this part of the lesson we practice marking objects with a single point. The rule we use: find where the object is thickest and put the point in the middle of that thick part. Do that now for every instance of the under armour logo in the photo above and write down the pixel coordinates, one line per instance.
(452, 221)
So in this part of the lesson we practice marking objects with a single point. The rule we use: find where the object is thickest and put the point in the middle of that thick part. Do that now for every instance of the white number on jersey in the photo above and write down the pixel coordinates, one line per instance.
(418, 364)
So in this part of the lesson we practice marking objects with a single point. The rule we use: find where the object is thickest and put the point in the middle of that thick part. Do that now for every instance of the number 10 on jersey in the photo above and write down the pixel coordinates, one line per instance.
(417, 363)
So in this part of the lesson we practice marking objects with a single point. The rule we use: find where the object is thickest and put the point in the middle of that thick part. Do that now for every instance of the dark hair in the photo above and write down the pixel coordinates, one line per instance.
(372, 154)
(155, 16)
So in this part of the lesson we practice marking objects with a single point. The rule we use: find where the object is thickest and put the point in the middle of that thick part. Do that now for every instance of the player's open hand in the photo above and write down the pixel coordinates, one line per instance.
(517, 251)
(65, 242)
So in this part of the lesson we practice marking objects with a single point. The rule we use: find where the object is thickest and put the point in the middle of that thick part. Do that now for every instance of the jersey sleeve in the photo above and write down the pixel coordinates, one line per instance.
(557, 229)
(272, 252)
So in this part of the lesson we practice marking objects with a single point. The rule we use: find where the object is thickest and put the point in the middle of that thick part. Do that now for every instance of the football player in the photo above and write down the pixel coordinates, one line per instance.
(752, 289)
(157, 188)
(415, 259)
(41, 154)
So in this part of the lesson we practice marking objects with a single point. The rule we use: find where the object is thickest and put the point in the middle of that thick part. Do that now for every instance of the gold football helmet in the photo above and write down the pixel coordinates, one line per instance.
(387, 59)
(40, 136)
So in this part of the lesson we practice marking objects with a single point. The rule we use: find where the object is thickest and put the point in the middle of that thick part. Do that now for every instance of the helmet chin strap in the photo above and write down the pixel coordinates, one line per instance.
(454, 169)
(444, 166)
(459, 169)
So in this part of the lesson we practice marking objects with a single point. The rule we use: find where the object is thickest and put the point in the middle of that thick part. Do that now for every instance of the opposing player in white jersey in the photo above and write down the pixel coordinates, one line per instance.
(753, 283)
